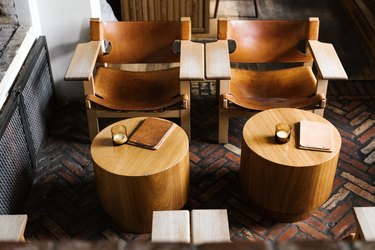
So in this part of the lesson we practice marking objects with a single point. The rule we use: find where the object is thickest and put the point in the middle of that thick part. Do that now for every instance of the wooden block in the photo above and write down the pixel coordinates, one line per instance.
(171, 226)
(217, 60)
(192, 61)
(83, 61)
(209, 225)
(365, 217)
(12, 227)
(328, 62)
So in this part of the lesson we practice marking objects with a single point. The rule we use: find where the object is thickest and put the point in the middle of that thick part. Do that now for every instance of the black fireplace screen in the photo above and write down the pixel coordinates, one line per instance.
(15, 160)
(23, 127)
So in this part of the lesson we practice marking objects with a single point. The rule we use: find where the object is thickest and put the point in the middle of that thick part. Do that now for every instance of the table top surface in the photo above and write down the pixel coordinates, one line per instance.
(259, 131)
(129, 160)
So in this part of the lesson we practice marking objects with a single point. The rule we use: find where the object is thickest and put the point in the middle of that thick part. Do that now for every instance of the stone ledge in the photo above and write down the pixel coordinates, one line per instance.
(15, 47)
(11, 39)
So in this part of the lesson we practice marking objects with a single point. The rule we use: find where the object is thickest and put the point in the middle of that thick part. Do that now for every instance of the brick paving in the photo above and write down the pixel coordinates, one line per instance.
(63, 203)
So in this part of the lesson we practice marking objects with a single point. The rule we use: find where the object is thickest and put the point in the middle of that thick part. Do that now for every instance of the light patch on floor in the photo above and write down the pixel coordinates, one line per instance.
(358, 182)
(233, 148)
(335, 199)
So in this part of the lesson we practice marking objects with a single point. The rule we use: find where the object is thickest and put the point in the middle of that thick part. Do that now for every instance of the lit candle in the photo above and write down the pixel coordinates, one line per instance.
(282, 132)
(119, 138)
(119, 134)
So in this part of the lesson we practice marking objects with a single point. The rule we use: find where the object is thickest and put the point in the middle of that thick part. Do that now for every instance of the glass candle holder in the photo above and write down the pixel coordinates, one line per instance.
(119, 134)
(282, 132)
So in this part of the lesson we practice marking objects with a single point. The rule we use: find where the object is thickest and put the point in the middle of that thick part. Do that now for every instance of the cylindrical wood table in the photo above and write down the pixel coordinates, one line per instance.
(132, 182)
(281, 181)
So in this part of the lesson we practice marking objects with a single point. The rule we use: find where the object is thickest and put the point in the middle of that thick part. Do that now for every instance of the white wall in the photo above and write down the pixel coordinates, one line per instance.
(23, 11)
(64, 23)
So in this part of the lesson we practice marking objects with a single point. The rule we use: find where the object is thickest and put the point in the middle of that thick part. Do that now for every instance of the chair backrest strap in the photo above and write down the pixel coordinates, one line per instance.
(140, 41)
(266, 41)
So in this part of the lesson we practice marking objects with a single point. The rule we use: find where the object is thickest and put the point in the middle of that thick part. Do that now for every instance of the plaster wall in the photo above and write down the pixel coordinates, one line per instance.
(65, 23)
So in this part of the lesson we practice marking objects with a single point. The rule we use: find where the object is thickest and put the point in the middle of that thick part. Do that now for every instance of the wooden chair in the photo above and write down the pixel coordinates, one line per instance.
(114, 85)
(273, 65)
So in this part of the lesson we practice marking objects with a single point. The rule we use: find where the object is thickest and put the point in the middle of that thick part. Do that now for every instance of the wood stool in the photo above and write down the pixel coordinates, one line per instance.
(365, 218)
(207, 226)
(171, 226)
(133, 182)
(12, 227)
(283, 182)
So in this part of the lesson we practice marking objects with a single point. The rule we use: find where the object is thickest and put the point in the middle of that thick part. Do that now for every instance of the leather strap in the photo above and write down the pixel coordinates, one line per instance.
(317, 100)
(143, 91)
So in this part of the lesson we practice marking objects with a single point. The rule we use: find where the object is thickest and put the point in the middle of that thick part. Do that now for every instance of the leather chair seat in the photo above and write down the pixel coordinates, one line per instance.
(291, 87)
(146, 90)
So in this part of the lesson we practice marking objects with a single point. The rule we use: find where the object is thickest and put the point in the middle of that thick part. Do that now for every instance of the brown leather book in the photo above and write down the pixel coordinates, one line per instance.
(151, 133)
(316, 136)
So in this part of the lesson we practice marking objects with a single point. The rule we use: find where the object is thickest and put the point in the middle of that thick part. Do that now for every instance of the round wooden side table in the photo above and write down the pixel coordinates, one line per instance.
(281, 181)
(132, 182)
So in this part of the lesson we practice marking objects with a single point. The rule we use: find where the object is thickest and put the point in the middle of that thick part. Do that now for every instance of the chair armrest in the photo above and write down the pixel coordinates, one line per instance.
(83, 61)
(327, 61)
(217, 60)
(191, 61)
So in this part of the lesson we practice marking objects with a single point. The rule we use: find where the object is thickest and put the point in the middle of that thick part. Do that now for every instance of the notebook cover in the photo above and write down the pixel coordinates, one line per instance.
(151, 133)
(316, 136)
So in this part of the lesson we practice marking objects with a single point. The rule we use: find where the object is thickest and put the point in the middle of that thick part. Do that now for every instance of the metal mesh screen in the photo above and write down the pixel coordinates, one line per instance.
(23, 127)
(35, 88)
(15, 163)
(37, 96)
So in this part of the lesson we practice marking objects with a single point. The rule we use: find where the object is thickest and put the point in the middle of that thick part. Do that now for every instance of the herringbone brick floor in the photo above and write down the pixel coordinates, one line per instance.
(63, 203)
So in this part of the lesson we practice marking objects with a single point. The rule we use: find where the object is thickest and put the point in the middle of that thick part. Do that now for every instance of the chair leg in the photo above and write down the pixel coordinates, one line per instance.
(319, 112)
(185, 122)
(93, 123)
(223, 126)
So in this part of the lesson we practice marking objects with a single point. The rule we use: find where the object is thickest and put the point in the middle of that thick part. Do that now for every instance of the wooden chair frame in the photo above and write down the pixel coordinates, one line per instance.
(320, 55)
(87, 56)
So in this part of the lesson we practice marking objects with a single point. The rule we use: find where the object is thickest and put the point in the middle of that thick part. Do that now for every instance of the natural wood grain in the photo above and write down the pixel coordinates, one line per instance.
(157, 10)
(283, 182)
(217, 60)
(83, 61)
(192, 61)
(132, 182)
(209, 225)
(365, 217)
(327, 61)
(171, 226)
(12, 227)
